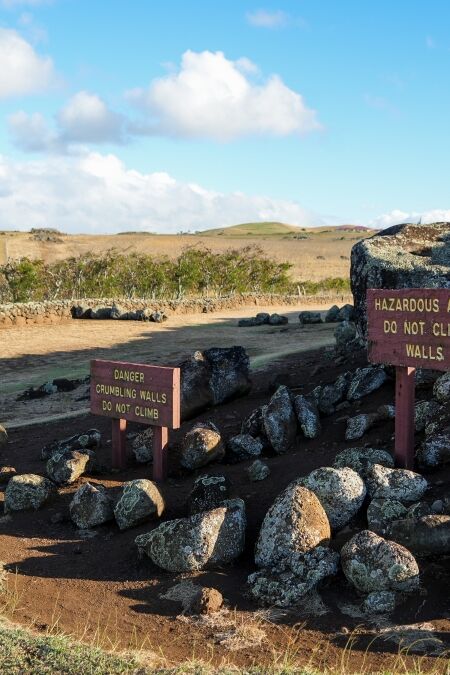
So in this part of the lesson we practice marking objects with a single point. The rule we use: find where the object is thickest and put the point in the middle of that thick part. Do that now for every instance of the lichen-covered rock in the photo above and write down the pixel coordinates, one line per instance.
(359, 425)
(332, 316)
(285, 584)
(244, 446)
(258, 470)
(379, 602)
(327, 396)
(434, 451)
(307, 416)
(208, 492)
(425, 412)
(253, 424)
(441, 389)
(347, 338)
(88, 440)
(3, 436)
(142, 446)
(201, 445)
(365, 381)
(295, 523)
(403, 256)
(372, 563)
(362, 459)
(91, 505)
(66, 466)
(381, 512)
(425, 536)
(346, 313)
(280, 421)
(209, 538)
(401, 484)
(308, 317)
(140, 500)
(278, 320)
(27, 491)
(340, 491)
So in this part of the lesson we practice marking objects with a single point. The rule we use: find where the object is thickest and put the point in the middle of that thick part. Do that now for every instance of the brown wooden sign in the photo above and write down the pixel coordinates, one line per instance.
(409, 327)
(140, 393)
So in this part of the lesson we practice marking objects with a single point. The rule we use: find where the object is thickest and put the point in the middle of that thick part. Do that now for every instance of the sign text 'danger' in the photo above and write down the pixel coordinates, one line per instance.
(409, 327)
(136, 392)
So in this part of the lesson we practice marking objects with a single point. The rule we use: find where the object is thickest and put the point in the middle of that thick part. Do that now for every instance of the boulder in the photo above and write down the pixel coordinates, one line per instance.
(434, 451)
(140, 500)
(400, 484)
(262, 318)
(66, 466)
(205, 601)
(346, 313)
(347, 338)
(340, 491)
(91, 505)
(327, 396)
(381, 512)
(425, 412)
(365, 381)
(332, 316)
(100, 312)
(244, 446)
(295, 523)
(88, 440)
(441, 388)
(362, 459)
(3, 436)
(425, 536)
(6, 473)
(280, 421)
(248, 323)
(359, 425)
(142, 446)
(209, 538)
(258, 470)
(253, 424)
(278, 320)
(372, 563)
(403, 256)
(307, 416)
(201, 445)
(27, 491)
(379, 602)
(208, 492)
(309, 317)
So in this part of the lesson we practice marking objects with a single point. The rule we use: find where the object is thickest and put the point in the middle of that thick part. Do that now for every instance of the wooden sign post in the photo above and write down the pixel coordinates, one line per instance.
(138, 393)
(409, 329)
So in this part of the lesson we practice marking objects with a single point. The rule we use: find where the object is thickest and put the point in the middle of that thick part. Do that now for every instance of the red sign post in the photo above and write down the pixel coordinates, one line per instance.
(408, 328)
(138, 393)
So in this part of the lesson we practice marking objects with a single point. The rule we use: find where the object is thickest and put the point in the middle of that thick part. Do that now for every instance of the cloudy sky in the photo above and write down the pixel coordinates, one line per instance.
(167, 116)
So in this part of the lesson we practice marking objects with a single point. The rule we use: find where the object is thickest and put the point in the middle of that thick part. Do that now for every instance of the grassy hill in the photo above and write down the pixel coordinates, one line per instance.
(252, 230)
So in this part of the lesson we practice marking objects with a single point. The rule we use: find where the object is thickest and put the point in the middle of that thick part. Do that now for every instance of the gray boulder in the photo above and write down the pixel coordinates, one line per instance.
(434, 451)
(244, 446)
(332, 316)
(253, 424)
(425, 536)
(280, 421)
(381, 512)
(278, 320)
(372, 563)
(441, 388)
(140, 500)
(365, 381)
(201, 445)
(142, 446)
(403, 256)
(307, 416)
(88, 440)
(258, 470)
(91, 505)
(295, 523)
(27, 491)
(362, 459)
(340, 491)
(327, 396)
(309, 317)
(359, 425)
(100, 312)
(262, 318)
(400, 484)
(346, 313)
(248, 322)
(379, 602)
(425, 412)
(208, 492)
(347, 338)
(209, 538)
(66, 466)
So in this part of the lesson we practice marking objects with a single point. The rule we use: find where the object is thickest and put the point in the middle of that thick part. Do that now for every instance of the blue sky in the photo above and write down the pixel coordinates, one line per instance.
(180, 116)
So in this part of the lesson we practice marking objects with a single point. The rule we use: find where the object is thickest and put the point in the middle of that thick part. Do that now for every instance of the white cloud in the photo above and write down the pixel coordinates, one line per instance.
(396, 216)
(22, 70)
(84, 119)
(264, 19)
(211, 97)
(97, 193)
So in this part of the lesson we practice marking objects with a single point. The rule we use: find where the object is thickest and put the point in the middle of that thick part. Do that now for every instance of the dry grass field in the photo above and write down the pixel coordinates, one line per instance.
(315, 253)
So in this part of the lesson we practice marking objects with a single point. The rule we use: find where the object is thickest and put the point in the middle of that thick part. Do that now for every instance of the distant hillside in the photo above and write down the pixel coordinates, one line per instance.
(251, 230)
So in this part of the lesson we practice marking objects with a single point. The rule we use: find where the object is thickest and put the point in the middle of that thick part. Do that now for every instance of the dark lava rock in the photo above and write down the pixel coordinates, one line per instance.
(208, 492)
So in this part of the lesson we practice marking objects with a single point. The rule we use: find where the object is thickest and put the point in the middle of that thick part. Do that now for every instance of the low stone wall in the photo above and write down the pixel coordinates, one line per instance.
(56, 311)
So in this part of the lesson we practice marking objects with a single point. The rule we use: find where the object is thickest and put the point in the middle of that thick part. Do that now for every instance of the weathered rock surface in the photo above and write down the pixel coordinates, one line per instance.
(201, 445)
(88, 440)
(278, 320)
(424, 536)
(362, 459)
(66, 466)
(379, 602)
(258, 470)
(340, 491)
(307, 416)
(365, 381)
(6, 473)
(309, 317)
(142, 446)
(244, 446)
(332, 315)
(208, 492)
(140, 500)
(327, 396)
(403, 256)
(435, 450)
(209, 538)
(372, 563)
(3, 436)
(295, 523)
(441, 389)
(425, 412)
(27, 491)
(253, 424)
(346, 313)
(205, 601)
(280, 421)
(359, 425)
(401, 484)
(347, 337)
(381, 512)
(91, 505)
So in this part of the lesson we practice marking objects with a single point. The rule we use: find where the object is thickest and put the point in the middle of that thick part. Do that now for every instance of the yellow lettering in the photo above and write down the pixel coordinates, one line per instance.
(439, 354)
(377, 303)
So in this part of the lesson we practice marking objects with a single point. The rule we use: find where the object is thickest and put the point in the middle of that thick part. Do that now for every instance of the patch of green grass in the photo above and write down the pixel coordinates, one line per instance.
(252, 229)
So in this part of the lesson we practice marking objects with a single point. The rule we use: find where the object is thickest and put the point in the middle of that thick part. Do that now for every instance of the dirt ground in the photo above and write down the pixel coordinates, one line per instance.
(96, 589)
